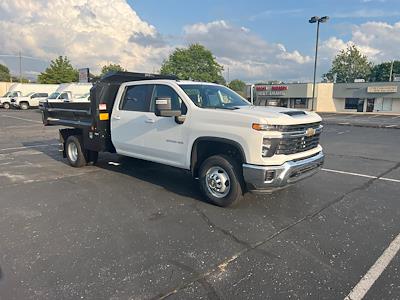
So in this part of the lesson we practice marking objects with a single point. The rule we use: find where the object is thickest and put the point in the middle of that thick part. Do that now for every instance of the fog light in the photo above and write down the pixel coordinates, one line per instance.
(269, 175)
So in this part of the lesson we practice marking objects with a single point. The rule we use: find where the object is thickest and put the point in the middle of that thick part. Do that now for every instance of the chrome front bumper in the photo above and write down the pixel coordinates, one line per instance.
(270, 178)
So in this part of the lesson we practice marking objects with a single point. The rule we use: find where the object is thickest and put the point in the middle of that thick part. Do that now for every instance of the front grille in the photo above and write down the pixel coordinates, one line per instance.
(299, 127)
(292, 145)
(295, 138)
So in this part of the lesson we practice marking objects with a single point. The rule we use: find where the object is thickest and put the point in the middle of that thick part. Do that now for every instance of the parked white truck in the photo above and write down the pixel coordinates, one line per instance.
(24, 89)
(32, 99)
(69, 92)
(229, 145)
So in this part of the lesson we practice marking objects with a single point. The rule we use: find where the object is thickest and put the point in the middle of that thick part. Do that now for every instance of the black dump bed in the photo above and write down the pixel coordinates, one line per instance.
(92, 119)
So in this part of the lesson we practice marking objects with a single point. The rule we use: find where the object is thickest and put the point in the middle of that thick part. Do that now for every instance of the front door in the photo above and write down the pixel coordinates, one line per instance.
(360, 105)
(370, 105)
(166, 141)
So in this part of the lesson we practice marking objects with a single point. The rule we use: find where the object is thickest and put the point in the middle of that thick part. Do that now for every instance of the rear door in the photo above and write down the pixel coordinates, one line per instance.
(128, 121)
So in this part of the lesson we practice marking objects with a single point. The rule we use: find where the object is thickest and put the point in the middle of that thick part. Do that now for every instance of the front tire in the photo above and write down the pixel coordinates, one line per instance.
(6, 105)
(221, 180)
(24, 105)
(74, 152)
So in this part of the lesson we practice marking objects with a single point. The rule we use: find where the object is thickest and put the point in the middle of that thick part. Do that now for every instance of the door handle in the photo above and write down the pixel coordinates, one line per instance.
(116, 117)
(150, 121)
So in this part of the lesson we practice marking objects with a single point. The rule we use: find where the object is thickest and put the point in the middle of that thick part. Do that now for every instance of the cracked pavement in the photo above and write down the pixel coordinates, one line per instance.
(138, 230)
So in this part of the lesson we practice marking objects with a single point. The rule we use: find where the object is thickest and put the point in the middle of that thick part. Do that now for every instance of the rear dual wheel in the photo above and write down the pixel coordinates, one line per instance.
(76, 155)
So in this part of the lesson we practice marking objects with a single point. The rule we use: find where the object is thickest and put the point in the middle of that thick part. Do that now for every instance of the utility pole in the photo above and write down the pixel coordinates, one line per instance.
(391, 70)
(20, 67)
(228, 74)
(317, 20)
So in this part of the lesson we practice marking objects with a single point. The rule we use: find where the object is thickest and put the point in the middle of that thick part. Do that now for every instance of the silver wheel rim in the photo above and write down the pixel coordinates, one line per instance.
(72, 152)
(6, 105)
(24, 106)
(218, 182)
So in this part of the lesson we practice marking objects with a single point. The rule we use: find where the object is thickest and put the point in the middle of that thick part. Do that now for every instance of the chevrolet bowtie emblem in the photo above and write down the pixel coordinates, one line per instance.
(310, 132)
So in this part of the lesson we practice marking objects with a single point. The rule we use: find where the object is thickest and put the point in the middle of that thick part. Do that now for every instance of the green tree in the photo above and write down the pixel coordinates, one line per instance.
(59, 71)
(381, 72)
(195, 63)
(17, 79)
(111, 68)
(349, 64)
(237, 85)
(4, 73)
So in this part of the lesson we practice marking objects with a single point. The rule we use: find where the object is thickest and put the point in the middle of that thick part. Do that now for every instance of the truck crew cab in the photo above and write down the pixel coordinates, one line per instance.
(230, 145)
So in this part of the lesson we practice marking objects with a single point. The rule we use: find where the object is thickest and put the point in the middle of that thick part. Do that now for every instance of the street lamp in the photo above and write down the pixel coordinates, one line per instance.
(317, 20)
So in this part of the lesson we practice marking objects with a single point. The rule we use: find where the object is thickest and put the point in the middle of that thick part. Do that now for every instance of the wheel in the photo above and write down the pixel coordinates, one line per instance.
(44, 119)
(221, 180)
(24, 105)
(6, 105)
(92, 156)
(75, 154)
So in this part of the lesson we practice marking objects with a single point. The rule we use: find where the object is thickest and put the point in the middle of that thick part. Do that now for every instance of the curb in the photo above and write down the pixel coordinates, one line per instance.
(382, 126)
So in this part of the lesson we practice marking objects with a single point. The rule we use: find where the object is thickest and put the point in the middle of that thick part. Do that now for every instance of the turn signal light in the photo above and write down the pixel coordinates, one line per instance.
(264, 127)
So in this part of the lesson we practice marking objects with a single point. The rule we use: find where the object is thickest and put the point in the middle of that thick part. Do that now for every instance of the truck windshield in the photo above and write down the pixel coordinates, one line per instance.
(54, 95)
(213, 96)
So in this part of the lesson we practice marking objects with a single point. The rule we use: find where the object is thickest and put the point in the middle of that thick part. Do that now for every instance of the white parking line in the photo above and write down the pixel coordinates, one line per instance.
(363, 286)
(361, 175)
(389, 126)
(28, 147)
(395, 117)
(28, 120)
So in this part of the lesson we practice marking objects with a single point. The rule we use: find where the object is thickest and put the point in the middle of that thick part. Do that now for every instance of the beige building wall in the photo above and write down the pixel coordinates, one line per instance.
(325, 101)
(4, 86)
(396, 106)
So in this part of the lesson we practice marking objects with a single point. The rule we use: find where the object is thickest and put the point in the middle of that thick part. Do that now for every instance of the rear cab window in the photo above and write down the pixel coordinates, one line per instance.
(137, 98)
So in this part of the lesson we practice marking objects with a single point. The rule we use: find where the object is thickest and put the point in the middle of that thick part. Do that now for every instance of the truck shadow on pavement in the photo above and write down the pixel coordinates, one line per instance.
(172, 179)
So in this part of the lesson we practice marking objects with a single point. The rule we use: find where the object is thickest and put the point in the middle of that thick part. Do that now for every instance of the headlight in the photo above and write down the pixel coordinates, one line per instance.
(268, 147)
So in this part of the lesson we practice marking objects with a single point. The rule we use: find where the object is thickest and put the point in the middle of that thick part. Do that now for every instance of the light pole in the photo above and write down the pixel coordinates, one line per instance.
(317, 20)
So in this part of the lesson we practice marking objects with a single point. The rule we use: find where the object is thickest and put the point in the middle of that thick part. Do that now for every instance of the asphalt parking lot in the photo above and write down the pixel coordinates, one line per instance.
(362, 120)
(128, 229)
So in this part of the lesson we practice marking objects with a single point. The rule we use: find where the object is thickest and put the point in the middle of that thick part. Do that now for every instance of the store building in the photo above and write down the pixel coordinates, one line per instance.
(374, 97)
(367, 97)
(293, 95)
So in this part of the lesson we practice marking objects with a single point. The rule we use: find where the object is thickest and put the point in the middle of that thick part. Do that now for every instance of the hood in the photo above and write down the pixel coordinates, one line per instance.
(279, 115)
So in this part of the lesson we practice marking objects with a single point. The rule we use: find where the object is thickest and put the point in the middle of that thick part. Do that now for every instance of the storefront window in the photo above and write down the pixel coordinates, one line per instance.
(351, 103)
(300, 103)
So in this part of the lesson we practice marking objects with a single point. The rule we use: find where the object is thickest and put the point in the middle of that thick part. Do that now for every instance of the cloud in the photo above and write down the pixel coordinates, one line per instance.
(90, 33)
(268, 13)
(366, 13)
(247, 55)
(380, 41)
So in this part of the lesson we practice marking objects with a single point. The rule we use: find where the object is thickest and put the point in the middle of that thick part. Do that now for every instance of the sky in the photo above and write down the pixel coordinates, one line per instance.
(254, 40)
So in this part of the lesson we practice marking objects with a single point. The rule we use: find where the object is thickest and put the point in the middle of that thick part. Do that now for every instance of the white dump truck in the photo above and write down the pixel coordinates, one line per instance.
(229, 145)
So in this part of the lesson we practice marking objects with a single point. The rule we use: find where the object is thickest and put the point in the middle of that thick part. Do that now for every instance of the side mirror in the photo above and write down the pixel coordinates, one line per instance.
(164, 108)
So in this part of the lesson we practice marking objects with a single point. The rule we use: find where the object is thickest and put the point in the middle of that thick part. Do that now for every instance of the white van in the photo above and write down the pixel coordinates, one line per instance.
(25, 89)
(70, 92)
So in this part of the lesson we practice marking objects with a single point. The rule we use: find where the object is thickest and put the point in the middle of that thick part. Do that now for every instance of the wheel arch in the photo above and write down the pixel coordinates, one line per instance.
(204, 147)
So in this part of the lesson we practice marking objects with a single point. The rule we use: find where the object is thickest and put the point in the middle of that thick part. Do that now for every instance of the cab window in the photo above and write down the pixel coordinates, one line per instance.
(165, 91)
(137, 98)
